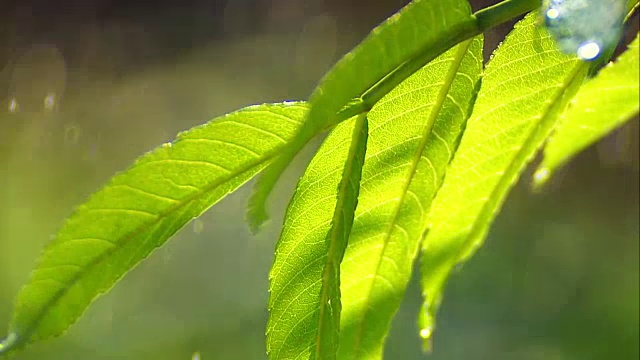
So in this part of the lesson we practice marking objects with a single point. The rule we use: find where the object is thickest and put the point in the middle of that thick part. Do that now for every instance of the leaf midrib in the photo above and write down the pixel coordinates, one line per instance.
(438, 105)
(335, 228)
(161, 216)
(529, 145)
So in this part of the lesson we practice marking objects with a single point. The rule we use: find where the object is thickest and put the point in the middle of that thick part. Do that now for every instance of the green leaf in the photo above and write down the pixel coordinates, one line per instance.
(602, 104)
(305, 278)
(422, 24)
(412, 134)
(631, 6)
(140, 209)
(525, 86)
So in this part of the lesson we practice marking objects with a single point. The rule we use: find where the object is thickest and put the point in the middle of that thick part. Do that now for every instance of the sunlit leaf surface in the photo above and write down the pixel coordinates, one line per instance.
(140, 209)
(525, 85)
(413, 132)
(419, 25)
(602, 104)
(305, 278)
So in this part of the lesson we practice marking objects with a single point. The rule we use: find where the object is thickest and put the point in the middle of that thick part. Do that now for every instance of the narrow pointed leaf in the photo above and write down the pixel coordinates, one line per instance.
(140, 209)
(305, 279)
(602, 104)
(422, 24)
(414, 133)
(525, 86)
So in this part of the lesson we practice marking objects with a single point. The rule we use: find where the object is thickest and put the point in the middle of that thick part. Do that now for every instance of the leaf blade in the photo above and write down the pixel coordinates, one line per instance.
(420, 24)
(525, 85)
(601, 105)
(399, 152)
(319, 304)
(429, 111)
(140, 209)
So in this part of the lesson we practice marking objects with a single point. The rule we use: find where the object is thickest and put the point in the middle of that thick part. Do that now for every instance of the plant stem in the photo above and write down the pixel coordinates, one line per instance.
(479, 22)
(497, 14)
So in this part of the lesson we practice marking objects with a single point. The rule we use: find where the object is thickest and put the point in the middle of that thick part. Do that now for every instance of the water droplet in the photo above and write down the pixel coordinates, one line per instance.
(167, 145)
(589, 50)
(198, 226)
(552, 14)
(195, 356)
(541, 176)
(586, 28)
(426, 333)
(13, 105)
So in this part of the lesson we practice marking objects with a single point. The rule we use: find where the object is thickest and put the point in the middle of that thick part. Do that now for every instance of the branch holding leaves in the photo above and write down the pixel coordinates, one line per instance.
(416, 146)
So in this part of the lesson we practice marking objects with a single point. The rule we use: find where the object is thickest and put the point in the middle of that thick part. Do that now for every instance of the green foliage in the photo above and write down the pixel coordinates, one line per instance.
(305, 278)
(412, 134)
(515, 110)
(420, 25)
(406, 130)
(141, 208)
(614, 91)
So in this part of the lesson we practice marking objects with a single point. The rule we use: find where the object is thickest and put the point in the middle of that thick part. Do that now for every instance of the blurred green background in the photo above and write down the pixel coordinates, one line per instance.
(87, 86)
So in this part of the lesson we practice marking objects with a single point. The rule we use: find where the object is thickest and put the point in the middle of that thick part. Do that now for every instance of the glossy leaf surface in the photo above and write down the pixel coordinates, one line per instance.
(525, 85)
(602, 104)
(140, 209)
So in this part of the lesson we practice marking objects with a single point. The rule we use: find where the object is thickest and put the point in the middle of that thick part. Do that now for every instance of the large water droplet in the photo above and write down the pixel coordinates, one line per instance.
(586, 28)
(589, 50)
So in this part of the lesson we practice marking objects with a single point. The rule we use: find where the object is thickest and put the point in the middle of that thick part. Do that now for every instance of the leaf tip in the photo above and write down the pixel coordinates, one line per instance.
(426, 336)
(9, 343)
(257, 214)
(256, 217)
(541, 176)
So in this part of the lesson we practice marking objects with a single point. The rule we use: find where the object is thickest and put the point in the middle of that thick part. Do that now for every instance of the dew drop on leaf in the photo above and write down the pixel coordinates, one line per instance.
(541, 176)
(586, 28)
(589, 50)
(426, 333)
(195, 356)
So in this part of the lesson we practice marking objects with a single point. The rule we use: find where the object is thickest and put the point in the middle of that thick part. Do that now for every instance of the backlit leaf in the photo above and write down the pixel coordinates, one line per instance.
(602, 104)
(423, 24)
(412, 134)
(140, 209)
(525, 86)
(305, 278)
